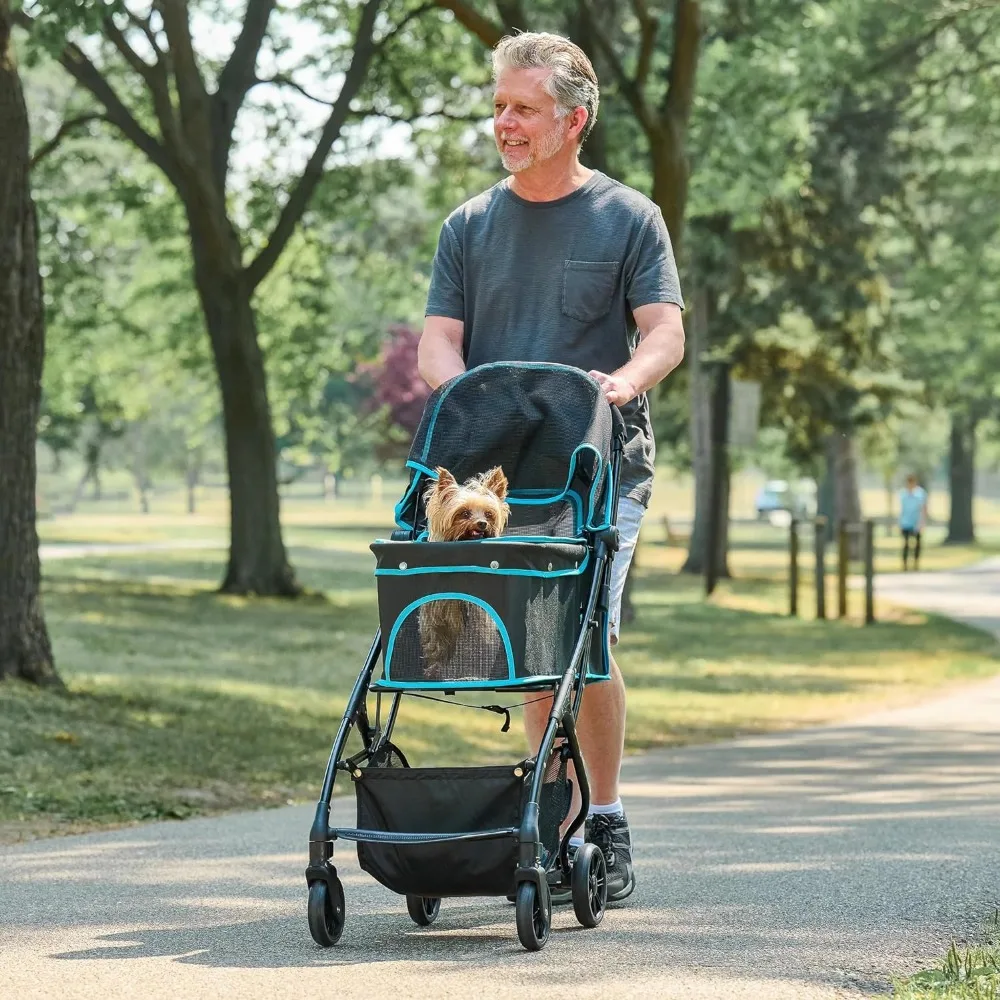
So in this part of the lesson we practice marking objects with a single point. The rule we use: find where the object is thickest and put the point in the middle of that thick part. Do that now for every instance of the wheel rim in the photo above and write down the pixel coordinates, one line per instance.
(335, 909)
(597, 881)
(326, 912)
(430, 908)
(538, 920)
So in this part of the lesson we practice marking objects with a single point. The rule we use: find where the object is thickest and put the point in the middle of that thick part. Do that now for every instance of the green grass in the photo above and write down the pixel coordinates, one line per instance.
(967, 972)
(183, 701)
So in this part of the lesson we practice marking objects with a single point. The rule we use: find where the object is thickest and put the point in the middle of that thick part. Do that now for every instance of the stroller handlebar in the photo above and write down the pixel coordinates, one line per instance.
(618, 425)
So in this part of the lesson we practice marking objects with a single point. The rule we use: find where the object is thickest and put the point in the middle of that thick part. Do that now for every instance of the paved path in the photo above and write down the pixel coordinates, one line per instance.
(799, 866)
(83, 550)
(970, 595)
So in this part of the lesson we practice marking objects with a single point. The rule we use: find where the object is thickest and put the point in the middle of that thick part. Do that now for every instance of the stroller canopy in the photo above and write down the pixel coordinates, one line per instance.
(547, 426)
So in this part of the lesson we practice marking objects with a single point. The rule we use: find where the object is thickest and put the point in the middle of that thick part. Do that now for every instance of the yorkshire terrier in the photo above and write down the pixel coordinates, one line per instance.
(477, 509)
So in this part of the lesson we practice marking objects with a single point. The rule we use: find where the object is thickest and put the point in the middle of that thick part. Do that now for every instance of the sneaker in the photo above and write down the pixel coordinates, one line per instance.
(611, 834)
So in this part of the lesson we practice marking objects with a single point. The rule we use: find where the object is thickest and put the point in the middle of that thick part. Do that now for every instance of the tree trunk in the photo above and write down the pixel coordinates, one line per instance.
(842, 469)
(91, 474)
(258, 563)
(718, 506)
(143, 487)
(91, 470)
(140, 471)
(25, 649)
(670, 184)
(700, 426)
(331, 485)
(961, 480)
(192, 477)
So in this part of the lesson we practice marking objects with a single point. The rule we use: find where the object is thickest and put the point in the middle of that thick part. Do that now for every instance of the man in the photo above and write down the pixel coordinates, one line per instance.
(912, 519)
(560, 263)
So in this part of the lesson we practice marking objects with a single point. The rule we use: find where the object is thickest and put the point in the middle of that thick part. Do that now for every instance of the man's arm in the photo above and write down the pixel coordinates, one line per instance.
(439, 353)
(659, 352)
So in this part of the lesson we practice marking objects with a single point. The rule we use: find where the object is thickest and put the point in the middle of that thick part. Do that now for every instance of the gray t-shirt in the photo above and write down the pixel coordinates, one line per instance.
(557, 281)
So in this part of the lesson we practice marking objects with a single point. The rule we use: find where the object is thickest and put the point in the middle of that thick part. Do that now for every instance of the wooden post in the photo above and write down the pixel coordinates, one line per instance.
(843, 562)
(819, 546)
(793, 569)
(869, 572)
(720, 465)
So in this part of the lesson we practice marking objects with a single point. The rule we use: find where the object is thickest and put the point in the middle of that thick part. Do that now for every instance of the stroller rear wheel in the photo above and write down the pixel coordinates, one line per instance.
(423, 910)
(590, 885)
(326, 912)
(533, 915)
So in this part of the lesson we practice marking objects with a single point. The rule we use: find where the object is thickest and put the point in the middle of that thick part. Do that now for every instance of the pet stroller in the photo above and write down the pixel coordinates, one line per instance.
(542, 594)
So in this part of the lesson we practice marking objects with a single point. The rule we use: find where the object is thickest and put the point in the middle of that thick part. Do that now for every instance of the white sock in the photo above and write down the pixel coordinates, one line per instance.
(608, 810)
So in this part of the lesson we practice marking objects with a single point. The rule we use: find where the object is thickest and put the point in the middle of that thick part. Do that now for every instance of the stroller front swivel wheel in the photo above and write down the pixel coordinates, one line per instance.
(589, 884)
(423, 910)
(533, 915)
(326, 912)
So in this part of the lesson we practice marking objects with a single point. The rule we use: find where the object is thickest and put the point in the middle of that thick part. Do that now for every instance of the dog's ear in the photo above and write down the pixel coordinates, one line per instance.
(445, 485)
(444, 478)
(496, 482)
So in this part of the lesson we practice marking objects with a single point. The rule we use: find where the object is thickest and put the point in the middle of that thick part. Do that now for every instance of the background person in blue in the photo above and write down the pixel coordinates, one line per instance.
(912, 519)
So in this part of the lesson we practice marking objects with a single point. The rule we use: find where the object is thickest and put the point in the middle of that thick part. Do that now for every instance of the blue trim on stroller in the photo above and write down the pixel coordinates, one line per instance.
(430, 473)
(398, 510)
(543, 497)
(518, 682)
(608, 498)
(449, 596)
(560, 539)
(541, 573)
(517, 497)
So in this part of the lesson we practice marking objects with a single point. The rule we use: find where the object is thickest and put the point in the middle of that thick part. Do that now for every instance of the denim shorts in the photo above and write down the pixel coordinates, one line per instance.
(630, 514)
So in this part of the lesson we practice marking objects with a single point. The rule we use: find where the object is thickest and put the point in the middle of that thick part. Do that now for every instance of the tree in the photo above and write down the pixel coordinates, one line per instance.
(25, 649)
(183, 120)
(398, 386)
(128, 374)
(947, 246)
(798, 284)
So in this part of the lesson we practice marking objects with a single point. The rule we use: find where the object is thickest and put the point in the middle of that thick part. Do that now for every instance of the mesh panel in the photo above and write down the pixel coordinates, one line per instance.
(553, 806)
(480, 603)
(448, 640)
(556, 519)
(547, 426)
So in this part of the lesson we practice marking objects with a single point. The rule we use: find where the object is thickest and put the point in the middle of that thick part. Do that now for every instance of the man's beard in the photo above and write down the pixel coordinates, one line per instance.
(545, 148)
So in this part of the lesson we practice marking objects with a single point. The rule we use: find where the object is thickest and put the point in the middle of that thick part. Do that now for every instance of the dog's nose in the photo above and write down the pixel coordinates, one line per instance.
(481, 524)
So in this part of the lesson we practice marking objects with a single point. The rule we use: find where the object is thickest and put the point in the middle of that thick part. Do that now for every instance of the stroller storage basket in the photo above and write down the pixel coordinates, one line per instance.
(441, 800)
(481, 614)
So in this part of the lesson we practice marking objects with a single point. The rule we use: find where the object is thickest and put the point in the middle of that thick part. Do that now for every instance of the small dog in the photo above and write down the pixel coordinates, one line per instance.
(455, 513)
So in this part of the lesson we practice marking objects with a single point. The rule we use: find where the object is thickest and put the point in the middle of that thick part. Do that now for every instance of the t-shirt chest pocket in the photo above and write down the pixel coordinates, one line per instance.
(588, 288)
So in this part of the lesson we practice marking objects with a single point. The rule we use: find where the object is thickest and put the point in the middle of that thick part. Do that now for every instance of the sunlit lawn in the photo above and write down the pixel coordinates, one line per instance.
(183, 701)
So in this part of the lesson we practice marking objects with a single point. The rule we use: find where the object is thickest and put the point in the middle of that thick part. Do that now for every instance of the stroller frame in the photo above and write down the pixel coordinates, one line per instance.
(585, 877)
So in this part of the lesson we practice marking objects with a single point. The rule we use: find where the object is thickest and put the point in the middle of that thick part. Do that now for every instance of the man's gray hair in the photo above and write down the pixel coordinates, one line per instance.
(572, 82)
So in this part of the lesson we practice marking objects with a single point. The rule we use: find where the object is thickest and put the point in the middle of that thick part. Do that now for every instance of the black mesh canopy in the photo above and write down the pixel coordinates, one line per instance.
(547, 426)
